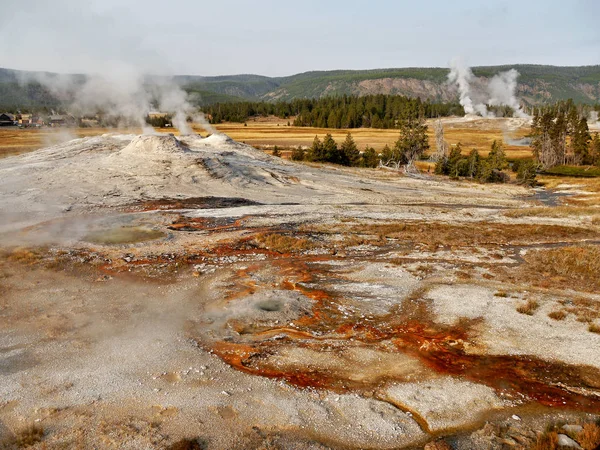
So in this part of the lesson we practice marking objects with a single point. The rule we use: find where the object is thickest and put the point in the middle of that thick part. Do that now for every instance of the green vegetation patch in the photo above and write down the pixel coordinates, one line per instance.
(574, 171)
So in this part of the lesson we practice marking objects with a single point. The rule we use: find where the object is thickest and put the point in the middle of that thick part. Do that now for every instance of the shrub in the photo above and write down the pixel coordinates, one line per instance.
(569, 265)
(515, 165)
(589, 437)
(526, 173)
(528, 308)
(490, 174)
(188, 444)
(594, 328)
(546, 441)
(557, 315)
(29, 436)
(574, 171)
(298, 154)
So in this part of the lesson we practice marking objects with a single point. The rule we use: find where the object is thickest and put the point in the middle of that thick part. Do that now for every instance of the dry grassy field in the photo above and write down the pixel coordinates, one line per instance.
(477, 134)
(267, 132)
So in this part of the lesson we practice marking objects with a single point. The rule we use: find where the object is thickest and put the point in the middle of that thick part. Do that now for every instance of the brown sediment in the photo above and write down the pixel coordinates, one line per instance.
(206, 224)
(443, 349)
(521, 378)
(167, 204)
(460, 235)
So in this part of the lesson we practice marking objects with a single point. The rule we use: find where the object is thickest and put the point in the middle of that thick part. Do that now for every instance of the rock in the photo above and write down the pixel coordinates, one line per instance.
(509, 442)
(566, 441)
(515, 417)
(572, 428)
(438, 445)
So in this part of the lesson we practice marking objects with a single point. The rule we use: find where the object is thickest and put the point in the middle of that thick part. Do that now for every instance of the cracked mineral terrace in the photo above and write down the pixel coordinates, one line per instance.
(158, 291)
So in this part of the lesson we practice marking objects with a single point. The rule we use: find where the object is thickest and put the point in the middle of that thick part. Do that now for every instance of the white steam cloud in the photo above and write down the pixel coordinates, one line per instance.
(122, 93)
(475, 94)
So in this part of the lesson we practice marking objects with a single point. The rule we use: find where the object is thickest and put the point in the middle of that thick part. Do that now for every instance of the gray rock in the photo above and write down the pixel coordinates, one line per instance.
(566, 441)
(572, 428)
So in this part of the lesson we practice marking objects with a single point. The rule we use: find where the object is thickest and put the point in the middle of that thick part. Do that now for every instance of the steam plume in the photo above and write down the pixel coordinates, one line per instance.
(122, 93)
(461, 75)
(502, 88)
(475, 94)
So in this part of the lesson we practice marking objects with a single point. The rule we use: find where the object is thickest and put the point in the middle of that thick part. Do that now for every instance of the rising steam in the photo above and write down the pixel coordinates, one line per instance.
(476, 94)
(123, 94)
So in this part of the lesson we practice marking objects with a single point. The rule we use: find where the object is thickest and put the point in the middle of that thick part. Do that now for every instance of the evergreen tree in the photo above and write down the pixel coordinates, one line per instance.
(457, 165)
(369, 158)
(474, 163)
(331, 152)
(315, 152)
(580, 142)
(413, 140)
(386, 155)
(442, 167)
(411, 144)
(497, 157)
(491, 168)
(454, 159)
(595, 150)
(462, 167)
(298, 154)
(543, 146)
(377, 111)
(526, 172)
(558, 137)
(350, 153)
(332, 120)
(561, 135)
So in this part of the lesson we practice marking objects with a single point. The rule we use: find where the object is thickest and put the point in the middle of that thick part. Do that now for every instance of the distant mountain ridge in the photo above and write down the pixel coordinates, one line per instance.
(537, 84)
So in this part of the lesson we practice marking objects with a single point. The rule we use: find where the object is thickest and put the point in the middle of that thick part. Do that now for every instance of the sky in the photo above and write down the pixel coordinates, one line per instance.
(278, 38)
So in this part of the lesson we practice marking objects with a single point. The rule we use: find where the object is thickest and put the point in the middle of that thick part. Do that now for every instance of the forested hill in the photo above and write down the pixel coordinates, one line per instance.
(537, 84)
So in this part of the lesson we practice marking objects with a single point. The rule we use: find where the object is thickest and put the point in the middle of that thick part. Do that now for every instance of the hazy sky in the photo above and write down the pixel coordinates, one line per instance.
(275, 37)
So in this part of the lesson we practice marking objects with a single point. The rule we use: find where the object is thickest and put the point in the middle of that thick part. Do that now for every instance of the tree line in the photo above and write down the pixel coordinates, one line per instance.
(452, 162)
(486, 170)
(561, 136)
(370, 111)
(346, 154)
(410, 146)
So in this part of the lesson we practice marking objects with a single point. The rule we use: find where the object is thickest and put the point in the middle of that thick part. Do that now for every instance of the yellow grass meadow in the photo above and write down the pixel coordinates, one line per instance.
(267, 132)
